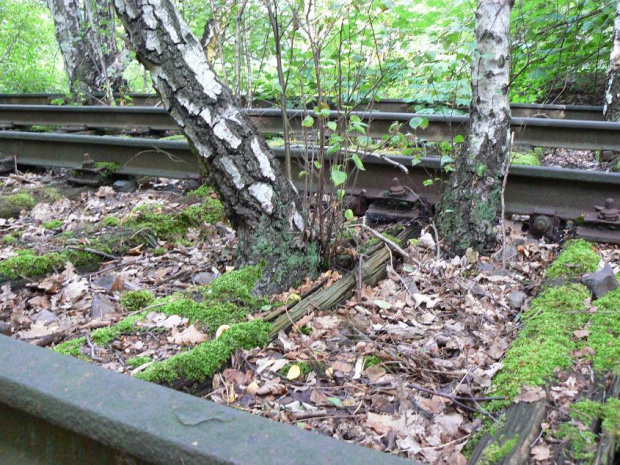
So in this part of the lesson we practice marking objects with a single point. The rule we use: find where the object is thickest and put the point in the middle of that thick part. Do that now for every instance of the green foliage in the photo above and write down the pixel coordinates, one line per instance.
(371, 360)
(30, 59)
(136, 300)
(108, 166)
(205, 359)
(528, 159)
(577, 257)
(10, 239)
(21, 200)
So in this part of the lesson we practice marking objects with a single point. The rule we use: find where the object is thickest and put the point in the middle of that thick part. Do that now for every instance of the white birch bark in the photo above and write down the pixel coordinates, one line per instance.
(259, 202)
(85, 32)
(469, 206)
(612, 92)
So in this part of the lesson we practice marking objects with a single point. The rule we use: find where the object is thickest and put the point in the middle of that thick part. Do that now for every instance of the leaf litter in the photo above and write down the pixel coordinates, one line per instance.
(401, 367)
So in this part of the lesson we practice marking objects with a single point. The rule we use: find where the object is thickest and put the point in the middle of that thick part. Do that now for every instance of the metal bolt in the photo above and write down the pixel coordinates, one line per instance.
(397, 190)
(608, 212)
(540, 225)
(88, 161)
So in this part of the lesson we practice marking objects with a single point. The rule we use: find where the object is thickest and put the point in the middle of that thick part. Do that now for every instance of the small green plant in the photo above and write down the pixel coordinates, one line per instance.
(54, 224)
(371, 360)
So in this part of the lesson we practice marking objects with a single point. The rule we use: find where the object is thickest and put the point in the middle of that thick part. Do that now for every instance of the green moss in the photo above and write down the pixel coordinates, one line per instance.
(582, 443)
(29, 264)
(169, 226)
(545, 342)
(237, 284)
(611, 418)
(202, 192)
(103, 336)
(21, 200)
(10, 239)
(205, 359)
(136, 300)
(605, 333)
(371, 360)
(110, 167)
(72, 347)
(136, 362)
(495, 453)
(577, 258)
(111, 220)
(305, 369)
(528, 159)
(54, 224)
(159, 251)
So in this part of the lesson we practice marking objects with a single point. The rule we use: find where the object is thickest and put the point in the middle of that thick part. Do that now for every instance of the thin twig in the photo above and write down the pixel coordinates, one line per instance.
(453, 397)
(94, 251)
(389, 242)
(504, 182)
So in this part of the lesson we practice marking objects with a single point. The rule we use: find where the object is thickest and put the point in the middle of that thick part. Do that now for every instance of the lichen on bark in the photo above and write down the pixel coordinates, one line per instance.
(469, 205)
(260, 203)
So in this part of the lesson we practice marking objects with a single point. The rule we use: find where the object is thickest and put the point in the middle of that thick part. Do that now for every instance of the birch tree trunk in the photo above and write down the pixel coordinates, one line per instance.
(86, 34)
(259, 201)
(612, 92)
(469, 205)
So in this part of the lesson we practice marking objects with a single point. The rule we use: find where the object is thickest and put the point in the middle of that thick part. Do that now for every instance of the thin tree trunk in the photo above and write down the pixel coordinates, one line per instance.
(469, 205)
(92, 58)
(259, 202)
(612, 93)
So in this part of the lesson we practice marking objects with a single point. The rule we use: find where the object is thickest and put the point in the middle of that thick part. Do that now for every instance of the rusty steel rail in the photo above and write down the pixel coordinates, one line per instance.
(538, 132)
(55, 409)
(553, 111)
(563, 193)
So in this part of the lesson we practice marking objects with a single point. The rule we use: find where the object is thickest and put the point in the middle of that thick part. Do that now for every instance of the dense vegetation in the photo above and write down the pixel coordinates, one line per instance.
(350, 50)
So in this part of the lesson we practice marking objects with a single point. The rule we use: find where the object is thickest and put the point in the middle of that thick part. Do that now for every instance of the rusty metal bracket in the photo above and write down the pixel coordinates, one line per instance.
(87, 174)
(397, 203)
(602, 225)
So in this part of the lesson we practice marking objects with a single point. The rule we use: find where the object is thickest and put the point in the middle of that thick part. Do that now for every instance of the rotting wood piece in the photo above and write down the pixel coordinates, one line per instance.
(609, 447)
(373, 270)
(521, 426)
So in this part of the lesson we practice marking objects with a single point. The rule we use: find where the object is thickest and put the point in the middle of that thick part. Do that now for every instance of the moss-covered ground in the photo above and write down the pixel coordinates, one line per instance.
(546, 343)
(228, 299)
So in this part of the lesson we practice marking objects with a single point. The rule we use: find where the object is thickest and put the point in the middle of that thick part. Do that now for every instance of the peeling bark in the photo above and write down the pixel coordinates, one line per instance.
(259, 202)
(470, 202)
(612, 92)
(86, 34)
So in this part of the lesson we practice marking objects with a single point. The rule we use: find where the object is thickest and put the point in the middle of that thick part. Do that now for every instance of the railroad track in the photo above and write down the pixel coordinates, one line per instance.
(532, 132)
(580, 112)
(549, 194)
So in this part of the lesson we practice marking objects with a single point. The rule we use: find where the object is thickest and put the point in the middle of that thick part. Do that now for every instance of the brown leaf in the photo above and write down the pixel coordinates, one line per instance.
(190, 337)
(343, 367)
(374, 373)
(541, 452)
(531, 394)
(271, 388)
(581, 333)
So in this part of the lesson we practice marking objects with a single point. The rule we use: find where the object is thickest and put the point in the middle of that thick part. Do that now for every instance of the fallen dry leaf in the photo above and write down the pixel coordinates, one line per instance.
(541, 452)
(531, 394)
(190, 337)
